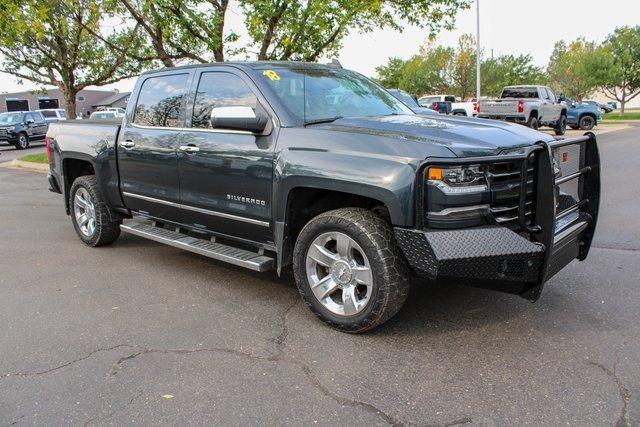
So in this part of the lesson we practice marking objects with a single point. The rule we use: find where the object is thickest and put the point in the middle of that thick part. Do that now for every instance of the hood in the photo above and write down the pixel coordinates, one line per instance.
(464, 136)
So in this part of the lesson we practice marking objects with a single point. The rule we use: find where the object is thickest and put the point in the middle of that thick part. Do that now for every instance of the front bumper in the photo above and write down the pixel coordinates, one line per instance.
(518, 261)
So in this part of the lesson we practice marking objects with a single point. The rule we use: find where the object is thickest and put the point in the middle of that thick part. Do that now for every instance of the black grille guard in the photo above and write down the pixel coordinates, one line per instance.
(560, 245)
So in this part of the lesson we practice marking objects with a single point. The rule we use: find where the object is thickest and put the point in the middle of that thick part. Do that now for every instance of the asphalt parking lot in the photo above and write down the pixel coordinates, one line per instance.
(138, 332)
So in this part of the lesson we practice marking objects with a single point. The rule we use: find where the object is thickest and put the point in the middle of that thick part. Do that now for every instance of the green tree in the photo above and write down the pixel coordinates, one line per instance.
(389, 75)
(48, 43)
(573, 68)
(619, 73)
(506, 70)
(306, 30)
(429, 72)
(178, 30)
(463, 73)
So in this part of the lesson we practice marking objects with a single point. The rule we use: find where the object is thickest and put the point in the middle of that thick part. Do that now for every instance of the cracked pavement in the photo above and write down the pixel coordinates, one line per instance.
(101, 336)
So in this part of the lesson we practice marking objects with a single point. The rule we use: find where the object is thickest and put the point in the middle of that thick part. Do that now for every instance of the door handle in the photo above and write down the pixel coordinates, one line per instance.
(128, 144)
(189, 148)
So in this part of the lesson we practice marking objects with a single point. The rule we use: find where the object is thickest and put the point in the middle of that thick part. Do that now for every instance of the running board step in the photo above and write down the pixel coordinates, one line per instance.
(241, 257)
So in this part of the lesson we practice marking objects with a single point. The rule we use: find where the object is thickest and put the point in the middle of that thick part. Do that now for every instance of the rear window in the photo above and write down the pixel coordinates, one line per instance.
(160, 101)
(520, 92)
(49, 113)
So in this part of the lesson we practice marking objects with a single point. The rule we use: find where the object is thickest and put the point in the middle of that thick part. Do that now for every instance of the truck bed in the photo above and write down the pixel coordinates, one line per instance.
(84, 136)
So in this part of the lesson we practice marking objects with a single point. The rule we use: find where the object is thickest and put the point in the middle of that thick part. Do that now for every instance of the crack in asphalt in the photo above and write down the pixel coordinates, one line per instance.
(624, 393)
(280, 356)
(458, 422)
(64, 365)
(312, 378)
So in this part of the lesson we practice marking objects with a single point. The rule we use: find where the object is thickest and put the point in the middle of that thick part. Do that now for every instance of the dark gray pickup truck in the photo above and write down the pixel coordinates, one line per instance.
(268, 165)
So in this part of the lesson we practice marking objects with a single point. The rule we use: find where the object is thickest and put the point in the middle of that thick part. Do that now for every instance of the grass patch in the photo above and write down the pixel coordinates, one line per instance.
(628, 115)
(35, 158)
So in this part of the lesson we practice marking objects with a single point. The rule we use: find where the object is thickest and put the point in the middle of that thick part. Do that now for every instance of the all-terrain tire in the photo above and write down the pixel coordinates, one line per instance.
(388, 267)
(533, 122)
(561, 125)
(106, 230)
(587, 122)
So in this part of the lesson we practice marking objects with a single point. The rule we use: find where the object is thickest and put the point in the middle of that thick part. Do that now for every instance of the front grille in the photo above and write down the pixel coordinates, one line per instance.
(3, 134)
(504, 181)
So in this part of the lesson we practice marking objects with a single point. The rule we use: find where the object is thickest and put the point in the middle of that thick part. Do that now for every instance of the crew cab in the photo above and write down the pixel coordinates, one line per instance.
(21, 127)
(533, 106)
(274, 165)
(454, 106)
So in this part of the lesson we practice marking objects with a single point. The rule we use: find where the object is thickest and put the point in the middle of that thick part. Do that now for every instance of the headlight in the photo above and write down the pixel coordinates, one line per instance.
(458, 179)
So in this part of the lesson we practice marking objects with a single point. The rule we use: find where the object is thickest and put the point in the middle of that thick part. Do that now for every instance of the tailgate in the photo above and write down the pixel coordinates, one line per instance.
(499, 107)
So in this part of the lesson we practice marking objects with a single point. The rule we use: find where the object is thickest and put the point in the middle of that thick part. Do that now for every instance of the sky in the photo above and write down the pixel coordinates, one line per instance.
(506, 27)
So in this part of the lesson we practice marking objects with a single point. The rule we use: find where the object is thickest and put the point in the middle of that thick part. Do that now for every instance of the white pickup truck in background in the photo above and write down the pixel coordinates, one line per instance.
(532, 106)
(458, 108)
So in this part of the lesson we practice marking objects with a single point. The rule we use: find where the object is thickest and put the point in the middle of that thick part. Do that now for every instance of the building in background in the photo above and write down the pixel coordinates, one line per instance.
(87, 100)
(117, 100)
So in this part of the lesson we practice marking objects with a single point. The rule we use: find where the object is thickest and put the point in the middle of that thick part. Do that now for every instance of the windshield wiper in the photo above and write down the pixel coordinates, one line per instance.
(325, 120)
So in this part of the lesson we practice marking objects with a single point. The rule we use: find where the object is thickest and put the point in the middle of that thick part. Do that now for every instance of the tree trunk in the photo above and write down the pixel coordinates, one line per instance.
(622, 103)
(70, 102)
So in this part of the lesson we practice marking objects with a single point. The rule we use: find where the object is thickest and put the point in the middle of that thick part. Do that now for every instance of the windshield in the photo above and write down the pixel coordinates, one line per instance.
(10, 118)
(406, 98)
(520, 92)
(319, 94)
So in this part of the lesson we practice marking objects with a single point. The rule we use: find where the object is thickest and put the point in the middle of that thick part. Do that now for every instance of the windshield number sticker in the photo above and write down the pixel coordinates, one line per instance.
(271, 75)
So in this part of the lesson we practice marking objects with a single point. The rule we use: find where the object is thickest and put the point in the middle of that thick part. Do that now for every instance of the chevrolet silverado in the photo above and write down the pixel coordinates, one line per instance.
(271, 165)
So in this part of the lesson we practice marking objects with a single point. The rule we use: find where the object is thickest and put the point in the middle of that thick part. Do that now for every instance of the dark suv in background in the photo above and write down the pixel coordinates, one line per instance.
(21, 127)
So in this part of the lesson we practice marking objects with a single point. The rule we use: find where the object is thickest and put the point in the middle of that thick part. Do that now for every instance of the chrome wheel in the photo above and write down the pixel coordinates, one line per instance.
(339, 273)
(23, 141)
(85, 212)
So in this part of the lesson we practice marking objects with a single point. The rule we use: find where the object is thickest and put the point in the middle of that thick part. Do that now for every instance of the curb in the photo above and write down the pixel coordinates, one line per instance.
(611, 122)
(30, 166)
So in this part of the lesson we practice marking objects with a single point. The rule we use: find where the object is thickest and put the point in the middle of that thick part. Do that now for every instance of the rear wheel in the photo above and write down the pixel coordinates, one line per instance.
(22, 143)
(561, 125)
(533, 122)
(587, 122)
(349, 269)
(459, 113)
(90, 215)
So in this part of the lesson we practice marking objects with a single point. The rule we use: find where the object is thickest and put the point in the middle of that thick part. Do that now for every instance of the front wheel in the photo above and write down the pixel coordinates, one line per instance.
(89, 213)
(561, 125)
(349, 269)
(22, 143)
(587, 122)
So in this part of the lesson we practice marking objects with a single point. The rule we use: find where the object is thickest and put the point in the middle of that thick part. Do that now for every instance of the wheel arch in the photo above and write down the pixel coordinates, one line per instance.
(306, 200)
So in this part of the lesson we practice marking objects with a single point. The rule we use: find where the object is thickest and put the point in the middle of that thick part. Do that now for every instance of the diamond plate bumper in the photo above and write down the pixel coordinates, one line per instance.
(496, 257)
(489, 257)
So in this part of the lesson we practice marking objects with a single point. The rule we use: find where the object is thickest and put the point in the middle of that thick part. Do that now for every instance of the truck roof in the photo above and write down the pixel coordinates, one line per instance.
(523, 86)
(253, 65)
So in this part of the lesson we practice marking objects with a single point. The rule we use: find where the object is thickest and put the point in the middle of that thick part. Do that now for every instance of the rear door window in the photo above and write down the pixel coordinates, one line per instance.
(160, 102)
(219, 89)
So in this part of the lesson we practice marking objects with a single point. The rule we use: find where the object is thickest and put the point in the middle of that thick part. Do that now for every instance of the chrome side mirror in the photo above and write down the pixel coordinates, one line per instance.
(239, 118)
